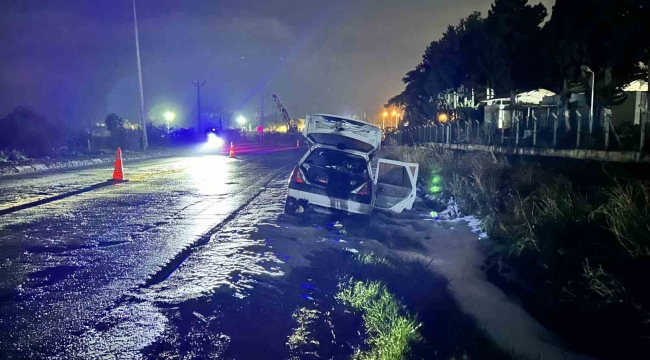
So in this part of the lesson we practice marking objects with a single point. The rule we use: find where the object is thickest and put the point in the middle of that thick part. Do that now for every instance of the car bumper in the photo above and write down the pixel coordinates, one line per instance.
(325, 201)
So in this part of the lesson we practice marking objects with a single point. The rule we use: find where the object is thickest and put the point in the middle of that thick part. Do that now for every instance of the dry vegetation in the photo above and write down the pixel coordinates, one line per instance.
(585, 251)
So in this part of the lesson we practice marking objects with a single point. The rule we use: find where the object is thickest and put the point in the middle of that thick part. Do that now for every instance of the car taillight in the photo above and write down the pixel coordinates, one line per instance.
(365, 190)
(296, 176)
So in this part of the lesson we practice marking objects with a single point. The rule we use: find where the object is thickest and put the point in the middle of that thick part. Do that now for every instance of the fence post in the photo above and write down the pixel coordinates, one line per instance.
(534, 129)
(643, 125)
(478, 136)
(579, 122)
(502, 134)
(555, 123)
(449, 134)
(457, 130)
(517, 128)
(608, 116)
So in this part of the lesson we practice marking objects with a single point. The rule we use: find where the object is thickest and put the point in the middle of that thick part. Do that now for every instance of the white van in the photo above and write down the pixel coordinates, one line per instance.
(336, 172)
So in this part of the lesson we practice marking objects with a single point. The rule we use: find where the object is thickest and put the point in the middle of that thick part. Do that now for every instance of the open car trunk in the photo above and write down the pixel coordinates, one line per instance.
(343, 133)
(338, 172)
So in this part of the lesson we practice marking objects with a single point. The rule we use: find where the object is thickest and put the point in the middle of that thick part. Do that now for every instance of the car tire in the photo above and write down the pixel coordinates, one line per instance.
(290, 206)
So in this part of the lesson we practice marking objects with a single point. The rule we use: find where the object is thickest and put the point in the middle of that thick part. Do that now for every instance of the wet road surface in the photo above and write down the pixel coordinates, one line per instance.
(63, 264)
(194, 259)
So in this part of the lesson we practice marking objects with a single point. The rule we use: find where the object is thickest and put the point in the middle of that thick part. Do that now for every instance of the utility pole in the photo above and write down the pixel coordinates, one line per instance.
(262, 114)
(143, 118)
(90, 133)
(198, 85)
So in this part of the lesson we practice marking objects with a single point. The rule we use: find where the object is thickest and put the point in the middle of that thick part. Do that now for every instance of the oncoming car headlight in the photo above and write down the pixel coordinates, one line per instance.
(214, 142)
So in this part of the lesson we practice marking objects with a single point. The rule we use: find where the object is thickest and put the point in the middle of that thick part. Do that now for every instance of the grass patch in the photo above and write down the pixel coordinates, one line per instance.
(390, 328)
(11, 156)
(627, 212)
(302, 335)
(372, 259)
(577, 235)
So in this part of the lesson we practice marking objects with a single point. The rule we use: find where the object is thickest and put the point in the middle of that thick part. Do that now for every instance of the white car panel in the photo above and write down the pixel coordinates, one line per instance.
(395, 185)
(331, 203)
(333, 130)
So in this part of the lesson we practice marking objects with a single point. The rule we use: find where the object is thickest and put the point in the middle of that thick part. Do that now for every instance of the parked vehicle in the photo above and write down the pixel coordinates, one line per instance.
(336, 173)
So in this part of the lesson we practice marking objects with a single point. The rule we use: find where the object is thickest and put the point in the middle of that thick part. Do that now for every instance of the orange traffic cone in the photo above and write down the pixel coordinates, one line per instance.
(297, 143)
(232, 151)
(118, 175)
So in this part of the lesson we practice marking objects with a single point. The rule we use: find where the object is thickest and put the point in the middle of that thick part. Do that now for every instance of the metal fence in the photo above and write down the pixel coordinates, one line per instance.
(537, 127)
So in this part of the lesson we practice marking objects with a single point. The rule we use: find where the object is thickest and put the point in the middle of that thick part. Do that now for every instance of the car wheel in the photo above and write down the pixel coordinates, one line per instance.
(290, 206)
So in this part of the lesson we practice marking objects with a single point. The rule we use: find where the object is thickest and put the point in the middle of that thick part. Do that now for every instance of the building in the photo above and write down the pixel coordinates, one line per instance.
(632, 111)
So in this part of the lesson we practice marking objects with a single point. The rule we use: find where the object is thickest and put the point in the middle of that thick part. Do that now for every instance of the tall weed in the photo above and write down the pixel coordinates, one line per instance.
(627, 213)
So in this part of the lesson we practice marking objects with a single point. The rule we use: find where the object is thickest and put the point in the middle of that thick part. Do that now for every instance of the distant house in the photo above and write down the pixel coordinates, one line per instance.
(534, 97)
(632, 110)
(496, 112)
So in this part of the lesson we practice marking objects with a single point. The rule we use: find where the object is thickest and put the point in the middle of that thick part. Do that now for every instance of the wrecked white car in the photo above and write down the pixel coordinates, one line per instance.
(336, 173)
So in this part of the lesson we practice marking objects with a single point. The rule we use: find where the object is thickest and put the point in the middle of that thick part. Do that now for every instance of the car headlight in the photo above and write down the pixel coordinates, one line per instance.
(214, 141)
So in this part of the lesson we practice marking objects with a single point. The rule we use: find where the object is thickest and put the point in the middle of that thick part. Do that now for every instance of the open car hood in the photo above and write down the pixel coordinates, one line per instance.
(343, 133)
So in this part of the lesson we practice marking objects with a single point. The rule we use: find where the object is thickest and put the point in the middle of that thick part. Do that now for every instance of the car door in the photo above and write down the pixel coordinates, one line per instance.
(395, 185)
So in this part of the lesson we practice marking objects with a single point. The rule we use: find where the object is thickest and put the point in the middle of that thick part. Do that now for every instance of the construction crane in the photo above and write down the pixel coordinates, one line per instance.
(285, 115)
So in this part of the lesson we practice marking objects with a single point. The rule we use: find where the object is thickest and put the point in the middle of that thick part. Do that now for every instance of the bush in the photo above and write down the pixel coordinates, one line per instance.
(30, 133)
(627, 212)
(579, 252)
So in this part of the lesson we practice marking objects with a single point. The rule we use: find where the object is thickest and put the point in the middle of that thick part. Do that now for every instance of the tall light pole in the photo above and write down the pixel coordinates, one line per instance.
(394, 118)
(383, 122)
(143, 118)
(585, 68)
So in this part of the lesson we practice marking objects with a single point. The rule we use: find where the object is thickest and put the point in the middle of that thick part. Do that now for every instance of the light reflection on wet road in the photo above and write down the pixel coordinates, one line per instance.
(64, 264)
(192, 259)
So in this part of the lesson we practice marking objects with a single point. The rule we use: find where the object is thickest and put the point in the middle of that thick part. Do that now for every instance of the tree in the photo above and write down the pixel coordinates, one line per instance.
(114, 123)
(25, 130)
(448, 66)
(512, 58)
(509, 51)
(609, 36)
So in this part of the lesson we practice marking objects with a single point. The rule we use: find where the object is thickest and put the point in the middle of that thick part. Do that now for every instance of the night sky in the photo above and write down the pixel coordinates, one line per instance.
(74, 59)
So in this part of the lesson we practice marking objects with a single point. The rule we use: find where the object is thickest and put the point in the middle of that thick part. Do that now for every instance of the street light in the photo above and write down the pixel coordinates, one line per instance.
(169, 116)
(395, 118)
(241, 120)
(143, 119)
(586, 68)
(383, 123)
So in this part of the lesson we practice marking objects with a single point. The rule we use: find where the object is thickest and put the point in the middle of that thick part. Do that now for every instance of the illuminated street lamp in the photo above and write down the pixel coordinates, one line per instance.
(241, 120)
(395, 118)
(383, 123)
(169, 116)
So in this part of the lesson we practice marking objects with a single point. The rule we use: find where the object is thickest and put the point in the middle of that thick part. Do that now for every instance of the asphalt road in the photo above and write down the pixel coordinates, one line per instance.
(193, 258)
(66, 264)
